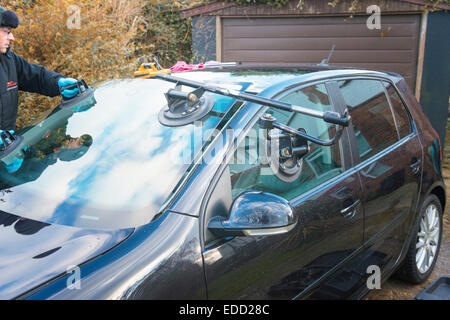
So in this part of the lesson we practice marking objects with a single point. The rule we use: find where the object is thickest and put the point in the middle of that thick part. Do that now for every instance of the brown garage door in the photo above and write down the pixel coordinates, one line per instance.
(309, 40)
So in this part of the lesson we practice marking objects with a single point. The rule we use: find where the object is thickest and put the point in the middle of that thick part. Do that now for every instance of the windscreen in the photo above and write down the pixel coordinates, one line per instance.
(104, 162)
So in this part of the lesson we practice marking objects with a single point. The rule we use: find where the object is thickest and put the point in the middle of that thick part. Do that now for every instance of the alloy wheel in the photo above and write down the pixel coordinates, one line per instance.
(427, 239)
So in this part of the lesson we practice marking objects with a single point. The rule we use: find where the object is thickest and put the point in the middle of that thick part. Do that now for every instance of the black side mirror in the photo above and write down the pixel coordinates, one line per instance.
(255, 213)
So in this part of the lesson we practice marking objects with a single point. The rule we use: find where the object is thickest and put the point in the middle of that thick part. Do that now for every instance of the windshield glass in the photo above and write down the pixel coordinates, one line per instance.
(104, 162)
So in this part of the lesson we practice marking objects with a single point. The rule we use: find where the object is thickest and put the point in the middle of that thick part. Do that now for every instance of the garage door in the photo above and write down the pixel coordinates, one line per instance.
(309, 40)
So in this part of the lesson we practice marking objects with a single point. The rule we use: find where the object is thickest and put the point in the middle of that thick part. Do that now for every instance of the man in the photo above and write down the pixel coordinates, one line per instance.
(18, 74)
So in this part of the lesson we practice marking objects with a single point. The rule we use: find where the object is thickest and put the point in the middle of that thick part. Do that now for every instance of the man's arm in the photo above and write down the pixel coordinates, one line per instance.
(35, 78)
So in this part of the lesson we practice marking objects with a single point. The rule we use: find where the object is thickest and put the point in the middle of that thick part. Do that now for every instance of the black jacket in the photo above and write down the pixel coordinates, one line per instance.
(18, 74)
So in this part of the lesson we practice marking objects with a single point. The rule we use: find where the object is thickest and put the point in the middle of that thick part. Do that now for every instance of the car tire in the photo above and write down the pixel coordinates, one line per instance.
(424, 248)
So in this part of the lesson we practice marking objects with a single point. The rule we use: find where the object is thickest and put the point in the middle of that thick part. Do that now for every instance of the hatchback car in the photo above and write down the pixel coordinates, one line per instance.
(226, 183)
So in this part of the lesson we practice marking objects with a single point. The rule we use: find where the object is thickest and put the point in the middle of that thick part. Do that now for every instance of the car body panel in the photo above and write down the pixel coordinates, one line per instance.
(34, 252)
(432, 161)
(160, 260)
(282, 267)
(391, 190)
(317, 236)
(390, 184)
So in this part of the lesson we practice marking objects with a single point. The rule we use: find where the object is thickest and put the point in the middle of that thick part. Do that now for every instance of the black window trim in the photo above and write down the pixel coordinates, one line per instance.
(391, 107)
(410, 119)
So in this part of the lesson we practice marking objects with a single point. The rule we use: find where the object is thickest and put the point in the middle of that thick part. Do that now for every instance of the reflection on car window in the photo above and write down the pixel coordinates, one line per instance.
(43, 145)
(372, 118)
(401, 115)
(55, 145)
(250, 169)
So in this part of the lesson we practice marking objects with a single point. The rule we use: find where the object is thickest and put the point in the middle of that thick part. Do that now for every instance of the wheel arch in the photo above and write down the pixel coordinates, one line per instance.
(439, 191)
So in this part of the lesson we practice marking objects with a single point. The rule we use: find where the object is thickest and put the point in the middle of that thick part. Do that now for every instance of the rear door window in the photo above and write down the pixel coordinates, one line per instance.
(372, 119)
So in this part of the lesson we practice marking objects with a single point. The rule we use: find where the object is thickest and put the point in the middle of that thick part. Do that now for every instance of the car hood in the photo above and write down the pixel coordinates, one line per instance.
(33, 252)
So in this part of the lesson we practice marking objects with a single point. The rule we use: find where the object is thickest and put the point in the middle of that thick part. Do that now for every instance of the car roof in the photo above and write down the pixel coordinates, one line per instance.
(306, 72)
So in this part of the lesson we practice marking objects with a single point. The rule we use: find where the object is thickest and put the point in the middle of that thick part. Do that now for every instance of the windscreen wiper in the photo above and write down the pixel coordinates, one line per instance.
(331, 117)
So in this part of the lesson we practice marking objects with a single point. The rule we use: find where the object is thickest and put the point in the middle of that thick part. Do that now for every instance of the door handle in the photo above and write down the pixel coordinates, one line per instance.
(416, 166)
(350, 211)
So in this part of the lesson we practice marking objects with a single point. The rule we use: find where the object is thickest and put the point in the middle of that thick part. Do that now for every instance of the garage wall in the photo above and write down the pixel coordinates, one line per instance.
(435, 93)
(310, 39)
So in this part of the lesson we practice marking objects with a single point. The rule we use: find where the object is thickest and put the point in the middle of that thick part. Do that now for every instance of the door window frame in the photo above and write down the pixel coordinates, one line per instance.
(412, 126)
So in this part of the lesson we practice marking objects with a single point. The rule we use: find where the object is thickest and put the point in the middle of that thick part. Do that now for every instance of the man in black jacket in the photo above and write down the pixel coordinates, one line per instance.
(18, 74)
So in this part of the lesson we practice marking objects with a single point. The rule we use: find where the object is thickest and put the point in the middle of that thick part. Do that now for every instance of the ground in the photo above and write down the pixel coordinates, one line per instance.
(394, 289)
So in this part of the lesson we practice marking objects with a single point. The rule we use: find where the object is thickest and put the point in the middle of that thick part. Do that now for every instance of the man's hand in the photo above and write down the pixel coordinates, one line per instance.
(68, 88)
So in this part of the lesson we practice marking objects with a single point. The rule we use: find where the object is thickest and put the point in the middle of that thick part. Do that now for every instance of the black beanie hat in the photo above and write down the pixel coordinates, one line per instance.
(8, 18)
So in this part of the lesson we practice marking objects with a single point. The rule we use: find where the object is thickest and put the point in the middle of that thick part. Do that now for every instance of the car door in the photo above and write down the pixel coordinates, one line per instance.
(325, 194)
(390, 156)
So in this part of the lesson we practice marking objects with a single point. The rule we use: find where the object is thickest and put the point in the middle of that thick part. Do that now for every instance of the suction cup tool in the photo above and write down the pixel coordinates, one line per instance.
(9, 143)
(185, 107)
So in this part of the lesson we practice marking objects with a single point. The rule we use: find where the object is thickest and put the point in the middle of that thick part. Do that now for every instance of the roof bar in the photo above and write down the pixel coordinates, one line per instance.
(328, 116)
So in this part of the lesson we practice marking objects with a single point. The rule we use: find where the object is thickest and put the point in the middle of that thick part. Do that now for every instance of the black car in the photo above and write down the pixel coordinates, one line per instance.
(228, 183)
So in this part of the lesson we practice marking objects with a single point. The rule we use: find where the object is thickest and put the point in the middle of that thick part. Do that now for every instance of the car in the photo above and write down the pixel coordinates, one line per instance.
(230, 182)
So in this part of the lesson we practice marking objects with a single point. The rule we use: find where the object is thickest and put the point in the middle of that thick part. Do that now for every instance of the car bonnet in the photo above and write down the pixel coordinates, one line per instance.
(32, 252)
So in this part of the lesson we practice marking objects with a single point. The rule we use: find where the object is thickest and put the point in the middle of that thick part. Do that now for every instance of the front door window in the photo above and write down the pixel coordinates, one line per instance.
(254, 166)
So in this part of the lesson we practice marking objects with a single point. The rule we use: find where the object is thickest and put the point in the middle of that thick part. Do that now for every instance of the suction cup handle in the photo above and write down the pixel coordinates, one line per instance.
(187, 96)
(336, 118)
(81, 85)
(7, 138)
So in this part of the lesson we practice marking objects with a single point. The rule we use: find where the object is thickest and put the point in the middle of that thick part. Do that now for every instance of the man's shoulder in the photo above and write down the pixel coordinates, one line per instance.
(16, 59)
(14, 56)
(11, 55)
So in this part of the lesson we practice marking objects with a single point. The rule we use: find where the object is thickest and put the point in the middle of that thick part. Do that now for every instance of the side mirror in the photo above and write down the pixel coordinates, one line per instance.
(255, 213)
